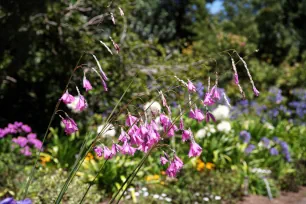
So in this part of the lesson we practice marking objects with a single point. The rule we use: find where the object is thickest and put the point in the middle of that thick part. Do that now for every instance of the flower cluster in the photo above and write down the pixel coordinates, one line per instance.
(11, 200)
(25, 140)
(78, 103)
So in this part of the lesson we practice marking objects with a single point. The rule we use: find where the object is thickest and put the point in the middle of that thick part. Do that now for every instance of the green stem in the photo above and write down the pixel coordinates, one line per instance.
(92, 182)
(33, 170)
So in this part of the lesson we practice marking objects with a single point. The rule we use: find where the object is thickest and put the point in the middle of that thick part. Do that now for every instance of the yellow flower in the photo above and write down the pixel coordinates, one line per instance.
(45, 159)
(152, 177)
(209, 165)
(89, 157)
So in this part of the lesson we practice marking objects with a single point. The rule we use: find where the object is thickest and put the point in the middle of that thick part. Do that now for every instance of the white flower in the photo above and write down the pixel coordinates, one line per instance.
(221, 112)
(269, 126)
(73, 105)
(217, 197)
(156, 196)
(201, 133)
(145, 194)
(206, 199)
(224, 126)
(168, 199)
(152, 107)
(109, 130)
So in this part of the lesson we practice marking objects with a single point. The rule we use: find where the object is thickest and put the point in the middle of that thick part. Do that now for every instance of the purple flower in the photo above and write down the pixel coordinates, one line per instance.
(163, 160)
(18, 124)
(273, 151)
(191, 87)
(245, 136)
(128, 149)
(236, 78)
(107, 153)
(285, 150)
(25, 201)
(196, 114)
(21, 141)
(37, 143)
(265, 141)
(31, 136)
(8, 201)
(130, 120)
(186, 135)
(26, 151)
(210, 116)
(116, 148)
(86, 84)
(195, 150)
(200, 89)
(98, 150)
(249, 149)
(26, 128)
(81, 104)
(70, 126)
(175, 166)
(67, 98)
(256, 92)
(181, 124)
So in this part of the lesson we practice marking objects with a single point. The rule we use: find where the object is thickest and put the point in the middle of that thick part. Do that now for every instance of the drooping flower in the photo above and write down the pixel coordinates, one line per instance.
(116, 148)
(121, 11)
(191, 87)
(186, 135)
(164, 120)
(67, 98)
(86, 84)
(163, 160)
(195, 149)
(256, 92)
(131, 120)
(123, 136)
(210, 116)
(113, 18)
(81, 104)
(70, 125)
(196, 114)
(208, 100)
(98, 150)
(128, 149)
(21, 141)
(116, 46)
(174, 167)
(107, 153)
(236, 79)
(215, 93)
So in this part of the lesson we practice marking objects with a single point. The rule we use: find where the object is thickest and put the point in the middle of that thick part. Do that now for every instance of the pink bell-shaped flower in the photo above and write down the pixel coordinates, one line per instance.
(195, 149)
(70, 126)
(186, 135)
(86, 84)
(98, 150)
(191, 87)
(67, 98)
(130, 120)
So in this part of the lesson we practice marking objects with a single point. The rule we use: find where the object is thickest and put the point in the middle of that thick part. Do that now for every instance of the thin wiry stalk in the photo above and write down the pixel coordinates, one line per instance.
(79, 163)
(92, 182)
(33, 170)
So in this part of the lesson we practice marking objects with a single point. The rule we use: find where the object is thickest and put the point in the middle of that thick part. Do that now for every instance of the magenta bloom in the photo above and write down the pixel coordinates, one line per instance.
(136, 139)
(128, 149)
(115, 149)
(196, 114)
(67, 98)
(37, 143)
(104, 85)
(164, 120)
(26, 128)
(107, 153)
(26, 151)
(130, 120)
(82, 103)
(191, 87)
(70, 126)
(86, 84)
(256, 92)
(163, 160)
(236, 78)
(18, 124)
(210, 116)
(208, 100)
(175, 166)
(21, 141)
(31, 136)
(215, 93)
(195, 150)
(123, 136)
(186, 135)
(181, 124)
(98, 150)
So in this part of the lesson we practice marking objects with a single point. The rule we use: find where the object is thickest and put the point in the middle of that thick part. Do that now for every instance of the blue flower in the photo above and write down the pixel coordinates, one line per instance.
(249, 149)
(265, 141)
(245, 136)
(273, 151)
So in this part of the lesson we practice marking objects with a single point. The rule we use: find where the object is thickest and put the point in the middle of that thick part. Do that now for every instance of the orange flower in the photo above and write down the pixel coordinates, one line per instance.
(209, 165)
(89, 157)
